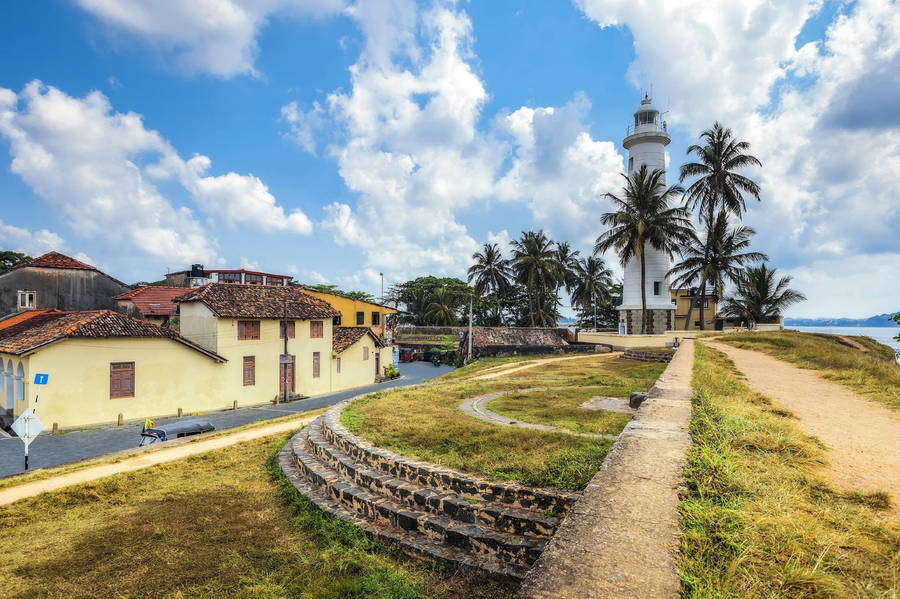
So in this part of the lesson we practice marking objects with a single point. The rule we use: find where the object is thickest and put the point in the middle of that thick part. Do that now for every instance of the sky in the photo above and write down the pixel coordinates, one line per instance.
(335, 140)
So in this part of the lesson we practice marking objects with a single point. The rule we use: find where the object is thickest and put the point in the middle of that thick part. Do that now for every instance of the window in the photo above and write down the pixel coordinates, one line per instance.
(656, 287)
(316, 329)
(248, 329)
(27, 300)
(338, 365)
(253, 279)
(229, 277)
(249, 371)
(376, 318)
(365, 352)
(316, 364)
(630, 164)
(360, 318)
(336, 321)
(274, 281)
(20, 383)
(291, 329)
(121, 379)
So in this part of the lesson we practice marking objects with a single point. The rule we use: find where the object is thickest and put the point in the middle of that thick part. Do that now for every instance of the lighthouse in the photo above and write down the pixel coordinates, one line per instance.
(646, 142)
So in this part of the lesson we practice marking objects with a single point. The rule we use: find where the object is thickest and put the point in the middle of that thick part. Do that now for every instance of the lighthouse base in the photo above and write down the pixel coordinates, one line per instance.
(658, 321)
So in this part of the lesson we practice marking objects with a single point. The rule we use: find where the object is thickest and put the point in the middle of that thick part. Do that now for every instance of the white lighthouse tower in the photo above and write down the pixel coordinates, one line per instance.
(646, 143)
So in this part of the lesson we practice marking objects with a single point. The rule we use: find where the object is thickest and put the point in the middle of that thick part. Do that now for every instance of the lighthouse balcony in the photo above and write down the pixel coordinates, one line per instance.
(645, 134)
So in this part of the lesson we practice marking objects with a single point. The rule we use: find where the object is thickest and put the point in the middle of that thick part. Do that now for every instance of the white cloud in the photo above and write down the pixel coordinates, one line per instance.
(33, 243)
(97, 167)
(212, 36)
(854, 286)
(408, 142)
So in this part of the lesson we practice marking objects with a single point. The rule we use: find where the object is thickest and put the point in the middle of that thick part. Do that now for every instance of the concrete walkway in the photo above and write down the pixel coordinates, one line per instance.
(54, 450)
(863, 437)
(147, 459)
(620, 539)
(504, 369)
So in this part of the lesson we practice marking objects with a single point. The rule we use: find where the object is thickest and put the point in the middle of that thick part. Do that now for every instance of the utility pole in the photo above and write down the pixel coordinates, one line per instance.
(594, 298)
(469, 358)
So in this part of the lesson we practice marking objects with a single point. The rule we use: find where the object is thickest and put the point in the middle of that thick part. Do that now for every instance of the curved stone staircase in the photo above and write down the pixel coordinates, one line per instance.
(428, 510)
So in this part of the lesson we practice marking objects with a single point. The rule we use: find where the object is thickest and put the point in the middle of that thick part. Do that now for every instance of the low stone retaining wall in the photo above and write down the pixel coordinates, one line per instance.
(647, 356)
(428, 510)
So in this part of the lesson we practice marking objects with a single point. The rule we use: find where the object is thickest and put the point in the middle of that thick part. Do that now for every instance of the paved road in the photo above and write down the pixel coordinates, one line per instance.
(52, 450)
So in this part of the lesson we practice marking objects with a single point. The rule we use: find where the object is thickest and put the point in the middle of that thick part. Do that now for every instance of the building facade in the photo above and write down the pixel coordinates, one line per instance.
(56, 281)
(150, 302)
(646, 144)
(197, 276)
(356, 313)
(685, 298)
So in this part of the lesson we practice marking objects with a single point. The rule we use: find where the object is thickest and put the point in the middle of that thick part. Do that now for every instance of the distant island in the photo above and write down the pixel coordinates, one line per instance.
(879, 320)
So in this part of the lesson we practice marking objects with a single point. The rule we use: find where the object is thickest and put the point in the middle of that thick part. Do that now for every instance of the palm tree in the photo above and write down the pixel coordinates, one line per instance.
(566, 264)
(534, 264)
(442, 309)
(718, 186)
(642, 216)
(760, 297)
(719, 257)
(592, 282)
(491, 273)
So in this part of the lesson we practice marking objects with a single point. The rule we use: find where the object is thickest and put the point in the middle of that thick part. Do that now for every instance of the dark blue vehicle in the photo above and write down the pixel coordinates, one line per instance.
(174, 430)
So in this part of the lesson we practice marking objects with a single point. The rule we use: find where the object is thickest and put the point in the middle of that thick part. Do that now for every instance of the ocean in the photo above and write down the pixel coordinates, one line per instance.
(883, 335)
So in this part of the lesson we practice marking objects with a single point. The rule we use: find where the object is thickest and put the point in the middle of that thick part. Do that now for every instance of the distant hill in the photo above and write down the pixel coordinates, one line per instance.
(880, 320)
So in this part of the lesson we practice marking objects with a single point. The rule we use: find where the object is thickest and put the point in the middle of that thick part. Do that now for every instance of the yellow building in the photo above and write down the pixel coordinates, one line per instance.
(356, 313)
(683, 298)
(104, 364)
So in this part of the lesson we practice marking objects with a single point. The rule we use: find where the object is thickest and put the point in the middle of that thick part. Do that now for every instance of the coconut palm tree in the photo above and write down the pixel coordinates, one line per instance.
(534, 264)
(592, 282)
(760, 297)
(719, 257)
(442, 308)
(566, 264)
(644, 216)
(491, 274)
(718, 186)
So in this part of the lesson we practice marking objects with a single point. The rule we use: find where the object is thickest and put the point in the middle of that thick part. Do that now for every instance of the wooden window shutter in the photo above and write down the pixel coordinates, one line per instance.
(248, 329)
(249, 370)
(316, 329)
(121, 379)
(338, 365)
(360, 318)
(365, 352)
(316, 364)
(291, 329)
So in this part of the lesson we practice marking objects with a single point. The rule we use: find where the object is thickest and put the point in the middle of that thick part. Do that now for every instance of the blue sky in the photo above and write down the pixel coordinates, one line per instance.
(334, 141)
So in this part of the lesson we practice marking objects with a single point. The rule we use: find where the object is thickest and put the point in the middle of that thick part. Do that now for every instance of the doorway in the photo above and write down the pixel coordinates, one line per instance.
(290, 376)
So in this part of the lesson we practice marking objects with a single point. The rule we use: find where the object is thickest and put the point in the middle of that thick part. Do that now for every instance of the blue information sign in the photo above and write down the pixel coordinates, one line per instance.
(41, 379)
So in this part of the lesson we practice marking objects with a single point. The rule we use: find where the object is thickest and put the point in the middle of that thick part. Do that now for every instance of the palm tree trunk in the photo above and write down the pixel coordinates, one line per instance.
(643, 294)
(531, 304)
(702, 301)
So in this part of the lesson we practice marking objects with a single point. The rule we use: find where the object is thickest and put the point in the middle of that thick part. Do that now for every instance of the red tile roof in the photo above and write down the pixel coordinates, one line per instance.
(344, 337)
(37, 328)
(56, 260)
(230, 300)
(153, 300)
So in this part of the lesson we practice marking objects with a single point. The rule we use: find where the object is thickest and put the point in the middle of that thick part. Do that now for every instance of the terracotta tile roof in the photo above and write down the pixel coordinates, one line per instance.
(43, 327)
(17, 317)
(344, 337)
(56, 260)
(153, 300)
(230, 300)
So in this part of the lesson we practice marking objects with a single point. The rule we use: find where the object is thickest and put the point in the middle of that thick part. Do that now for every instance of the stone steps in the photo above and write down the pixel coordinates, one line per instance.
(429, 511)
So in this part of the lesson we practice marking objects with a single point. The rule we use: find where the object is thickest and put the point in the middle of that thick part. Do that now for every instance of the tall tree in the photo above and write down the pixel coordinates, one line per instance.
(10, 259)
(566, 265)
(760, 296)
(491, 275)
(442, 308)
(718, 258)
(642, 216)
(534, 264)
(718, 187)
(592, 284)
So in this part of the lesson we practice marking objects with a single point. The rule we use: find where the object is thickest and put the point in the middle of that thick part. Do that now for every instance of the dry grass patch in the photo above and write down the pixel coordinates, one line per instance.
(481, 365)
(221, 524)
(603, 370)
(873, 374)
(559, 407)
(758, 520)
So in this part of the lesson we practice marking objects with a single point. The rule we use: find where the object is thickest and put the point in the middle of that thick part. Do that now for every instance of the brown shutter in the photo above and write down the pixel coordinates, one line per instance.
(338, 365)
(248, 329)
(316, 362)
(365, 352)
(316, 329)
(291, 329)
(249, 370)
(121, 379)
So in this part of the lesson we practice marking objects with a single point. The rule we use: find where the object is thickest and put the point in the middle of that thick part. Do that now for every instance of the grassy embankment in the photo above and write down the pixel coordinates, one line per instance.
(758, 520)
(426, 423)
(873, 374)
(560, 407)
(224, 523)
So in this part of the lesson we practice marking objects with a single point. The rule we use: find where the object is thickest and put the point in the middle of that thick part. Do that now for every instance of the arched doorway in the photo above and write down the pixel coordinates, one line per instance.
(20, 383)
(9, 384)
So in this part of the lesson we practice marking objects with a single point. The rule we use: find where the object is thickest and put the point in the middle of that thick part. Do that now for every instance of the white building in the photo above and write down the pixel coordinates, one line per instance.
(646, 144)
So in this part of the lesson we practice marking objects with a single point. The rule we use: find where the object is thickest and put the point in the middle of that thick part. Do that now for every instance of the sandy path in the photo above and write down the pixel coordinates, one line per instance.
(516, 368)
(864, 438)
(150, 458)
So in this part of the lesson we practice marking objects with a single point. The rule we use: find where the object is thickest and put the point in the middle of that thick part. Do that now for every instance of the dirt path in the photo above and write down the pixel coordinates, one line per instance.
(151, 458)
(498, 371)
(864, 438)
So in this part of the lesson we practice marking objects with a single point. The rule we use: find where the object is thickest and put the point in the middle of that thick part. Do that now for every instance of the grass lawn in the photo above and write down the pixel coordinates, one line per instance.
(221, 524)
(758, 521)
(426, 423)
(873, 374)
(482, 364)
(559, 407)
